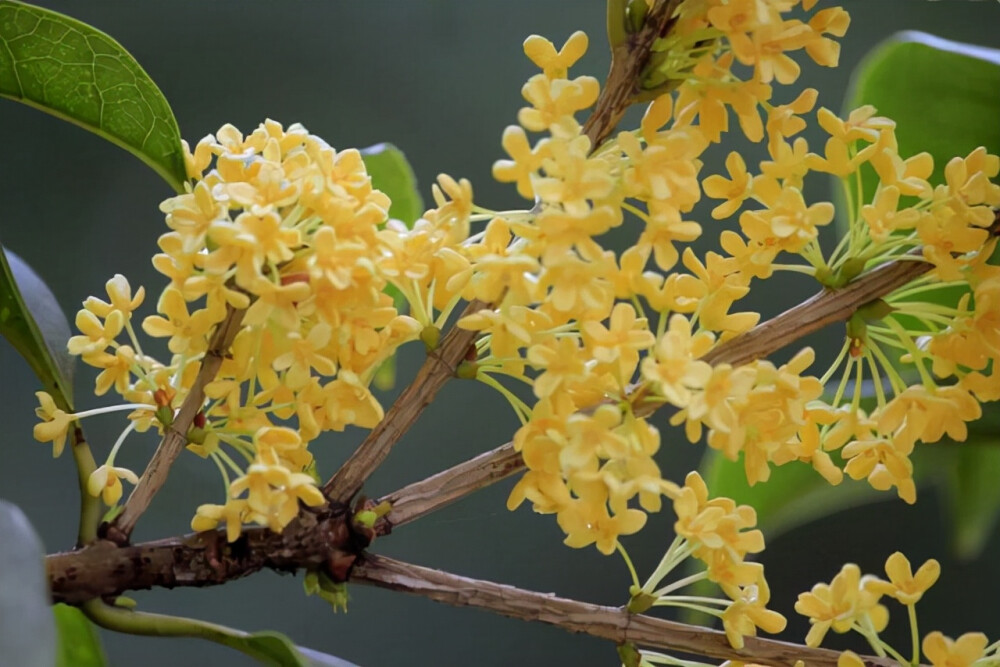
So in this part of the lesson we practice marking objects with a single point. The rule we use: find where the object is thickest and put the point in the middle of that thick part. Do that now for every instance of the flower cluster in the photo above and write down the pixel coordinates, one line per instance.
(572, 318)
(851, 602)
(721, 534)
(285, 238)
(604, 337)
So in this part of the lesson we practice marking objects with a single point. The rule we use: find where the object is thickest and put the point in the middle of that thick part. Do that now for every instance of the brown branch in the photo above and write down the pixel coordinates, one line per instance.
(628, 60)
(613, 623)
(823, 308)
(422, 498)
(414, 501)
(201, 559)
(620, 91)
(175, 438)
(315, 540)
(436, 371)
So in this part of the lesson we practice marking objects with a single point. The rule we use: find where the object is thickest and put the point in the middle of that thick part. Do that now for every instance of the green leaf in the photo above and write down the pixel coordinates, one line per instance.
(279, 649)
(79, 644)
(794, 495)
(76, 72)
(317, 659)
(973, 495)
(392, 174)
(34, 324)
(27, 627)
(942, 95)
(944, 98)
(275, 647)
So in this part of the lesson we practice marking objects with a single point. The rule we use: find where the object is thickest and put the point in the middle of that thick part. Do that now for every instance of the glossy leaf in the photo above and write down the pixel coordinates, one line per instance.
(794, 495)
(276, 648)
(27, 628)
(79, 644)
(945, 99)
(30, 318)
(943, 96)
(73, 71)
(392, 174)
(317, 659)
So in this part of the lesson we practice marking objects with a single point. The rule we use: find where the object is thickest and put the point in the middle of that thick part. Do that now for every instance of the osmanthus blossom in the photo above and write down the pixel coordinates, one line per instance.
(289, 232)
(851, 602)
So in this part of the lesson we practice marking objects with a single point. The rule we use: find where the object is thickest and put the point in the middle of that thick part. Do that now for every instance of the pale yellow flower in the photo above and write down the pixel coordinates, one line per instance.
(943, 651)
(56, 423)
(903, 585)
(106, 482)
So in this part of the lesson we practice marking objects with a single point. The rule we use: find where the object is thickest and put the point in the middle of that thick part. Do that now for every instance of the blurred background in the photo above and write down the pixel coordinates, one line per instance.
(440, 79)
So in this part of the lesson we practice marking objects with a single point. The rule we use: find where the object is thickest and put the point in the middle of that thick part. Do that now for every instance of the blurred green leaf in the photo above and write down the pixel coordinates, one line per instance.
(392, 174)
(275, 647)
(943, 95)
(75, 72)
(79, 644)
(794, 495)
(34, 324)
(317, 659)
(973, 495)
(27, 626)
(945, 99)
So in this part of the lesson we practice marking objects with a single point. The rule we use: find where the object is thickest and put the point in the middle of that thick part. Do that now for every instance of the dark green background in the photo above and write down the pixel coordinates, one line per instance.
(440, 79)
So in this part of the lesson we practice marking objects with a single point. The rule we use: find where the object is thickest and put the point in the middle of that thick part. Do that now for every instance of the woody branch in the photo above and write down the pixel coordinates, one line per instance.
(620, 91)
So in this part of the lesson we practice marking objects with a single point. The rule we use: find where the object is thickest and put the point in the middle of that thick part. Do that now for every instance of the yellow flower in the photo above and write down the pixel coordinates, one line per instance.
(840, 604)
(306, 354)
(884, 217)
(928, 415)
(233, 513)
(56, 425)
(883, 464)
(553, 103)
(273, 491)
(790, 221)
(903, 585)
(861, 125)
(748, 612)
(349, 402)
(850, 659)
(106, 482)
(120, 295)
(117, 370)
(620, 342)
(187, 331)
(525, 162)
(674, 368)
(96, 335)
(943, 651)
(734, 190)
(555, 64)
(586, 522)
(546, 491)
(572, 177)
(561, 363)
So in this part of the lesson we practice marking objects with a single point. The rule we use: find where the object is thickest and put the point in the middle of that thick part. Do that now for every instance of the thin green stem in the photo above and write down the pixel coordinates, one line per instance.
(836, 363)
(90, 506)
(222, 471)
(628, 562)
(119, 441)
(681, 583)
(914, 634)
(520, 408)
(161, 625)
